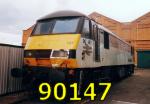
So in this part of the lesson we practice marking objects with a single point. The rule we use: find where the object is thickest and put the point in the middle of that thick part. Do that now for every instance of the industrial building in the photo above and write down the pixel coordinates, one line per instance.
(136, 33)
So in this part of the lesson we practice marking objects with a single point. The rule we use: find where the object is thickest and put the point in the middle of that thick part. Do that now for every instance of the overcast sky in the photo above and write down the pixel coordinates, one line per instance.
(17, 15)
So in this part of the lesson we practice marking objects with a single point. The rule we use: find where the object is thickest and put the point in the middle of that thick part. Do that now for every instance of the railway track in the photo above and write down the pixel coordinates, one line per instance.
(14, 98)
(23, 98)
(19, 101)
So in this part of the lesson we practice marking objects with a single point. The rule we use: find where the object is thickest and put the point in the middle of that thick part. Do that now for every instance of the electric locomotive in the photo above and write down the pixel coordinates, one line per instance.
(68, 46)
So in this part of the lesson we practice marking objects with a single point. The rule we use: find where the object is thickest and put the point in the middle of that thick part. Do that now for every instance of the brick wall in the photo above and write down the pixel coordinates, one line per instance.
(26, 34)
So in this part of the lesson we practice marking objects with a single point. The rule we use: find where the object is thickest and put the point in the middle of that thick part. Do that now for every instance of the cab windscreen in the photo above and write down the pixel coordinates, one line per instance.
(57, 26)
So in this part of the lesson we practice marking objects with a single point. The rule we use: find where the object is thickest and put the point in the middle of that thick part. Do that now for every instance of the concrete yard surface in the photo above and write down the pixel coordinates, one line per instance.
(132, 90)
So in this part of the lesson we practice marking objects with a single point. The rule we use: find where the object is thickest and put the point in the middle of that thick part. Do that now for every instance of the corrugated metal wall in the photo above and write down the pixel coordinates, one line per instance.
(10, 57)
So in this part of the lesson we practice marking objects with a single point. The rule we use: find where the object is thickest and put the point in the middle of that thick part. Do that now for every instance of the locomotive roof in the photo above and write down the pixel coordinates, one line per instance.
(63, 14)
(67, 13)
(110, 32)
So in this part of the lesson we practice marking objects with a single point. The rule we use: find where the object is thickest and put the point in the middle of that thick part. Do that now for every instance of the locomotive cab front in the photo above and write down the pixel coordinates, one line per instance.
(52, 47)
(53, 43)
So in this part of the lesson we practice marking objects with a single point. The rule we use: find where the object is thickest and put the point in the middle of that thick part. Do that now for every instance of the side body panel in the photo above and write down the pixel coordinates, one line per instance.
(114, 56)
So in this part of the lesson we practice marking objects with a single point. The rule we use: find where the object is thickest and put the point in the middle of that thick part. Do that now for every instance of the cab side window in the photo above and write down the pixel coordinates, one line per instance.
(86, 29)
(106, 40)
(95, 32)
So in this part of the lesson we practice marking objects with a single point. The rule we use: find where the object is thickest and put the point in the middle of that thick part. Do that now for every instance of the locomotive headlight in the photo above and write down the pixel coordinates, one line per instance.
(28, 54)
(60, 53)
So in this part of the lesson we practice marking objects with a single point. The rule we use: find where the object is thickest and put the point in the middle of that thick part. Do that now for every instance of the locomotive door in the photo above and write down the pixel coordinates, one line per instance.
(96, 33)
(87, 45)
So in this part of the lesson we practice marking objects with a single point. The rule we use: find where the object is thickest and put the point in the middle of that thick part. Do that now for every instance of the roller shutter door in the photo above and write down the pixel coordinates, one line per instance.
(143, 59)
